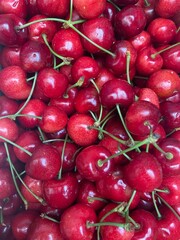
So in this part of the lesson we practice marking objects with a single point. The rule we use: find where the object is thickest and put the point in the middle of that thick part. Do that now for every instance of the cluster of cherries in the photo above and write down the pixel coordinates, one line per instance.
(90, 119)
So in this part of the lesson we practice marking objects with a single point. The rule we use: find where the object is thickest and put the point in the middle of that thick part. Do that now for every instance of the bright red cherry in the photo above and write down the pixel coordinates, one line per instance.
(10, 56)
(167, 8)
(8, 130)
(12, 6)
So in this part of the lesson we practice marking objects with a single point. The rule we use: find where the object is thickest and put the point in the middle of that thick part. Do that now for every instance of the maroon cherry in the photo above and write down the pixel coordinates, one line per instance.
(8, 106)
(7, 187)
(141, 40)
(10, 56)
(8, 130)
(167, 8)
(143, 173)
(19, 8)
(11, 204)
(46, 159)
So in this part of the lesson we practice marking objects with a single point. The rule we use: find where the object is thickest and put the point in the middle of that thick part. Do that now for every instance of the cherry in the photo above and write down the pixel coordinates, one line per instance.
(167, 8)
(61, 193)
(146, 63)
(79, 129)
(73, 223)
(8, 130)
(46, 159)
(67, 43)
(116, 91)
(89, 9)
(49, 28)
(8, 106)
(89, 195)
(32, 8)
(164, 82)
(110, 11)
(10, 56)
(162, 30)
(130, 21)
(103, 76)
(13, 83)
(6, 183)
(147, 94)
(142, 117)
(35, 56)
(141, 40)
(117, 63)
(84, 69)
(99, 31)
(53, 119)
(28, 140)
(87, 99)
(19, 8)
(43, 228)
(21, 223)
(143, 172)
(122, 3)
(5, 228)
(147, 224)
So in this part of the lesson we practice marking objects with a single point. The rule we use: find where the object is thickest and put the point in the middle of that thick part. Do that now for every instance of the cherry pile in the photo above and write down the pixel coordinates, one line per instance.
(90, 119)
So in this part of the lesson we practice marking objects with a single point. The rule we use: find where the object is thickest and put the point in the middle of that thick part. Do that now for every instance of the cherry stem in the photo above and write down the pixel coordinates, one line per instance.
(1, 216)
(62, 156)
(13, 176)
(163, 50)
(79, 83)
(16, 145)
(167, 205)
(147, 3)
(65, 60)
(43, 215)
(128, 58)
(130, 201)
(92, 199)
(13, 116)
(168, 155)
(70, 10)
(41, 136)
(161, 190)
(124, 125)
(114, 5)
(126, 226)
(155, 205)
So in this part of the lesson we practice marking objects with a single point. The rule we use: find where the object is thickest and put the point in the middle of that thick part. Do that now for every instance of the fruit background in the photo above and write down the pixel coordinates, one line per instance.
(90, 119)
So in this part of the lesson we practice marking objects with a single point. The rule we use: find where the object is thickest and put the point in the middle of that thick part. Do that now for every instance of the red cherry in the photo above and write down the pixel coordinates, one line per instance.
(90, 9)
(10, 56)
(87, 162)
(13, 83)
(103, 76)
(74, 220)
(141, 40)
(8, 106)
(46, 159)
(11, 204)
(61, 193)
(19, 8)
(167, 8)
(8, 130)
(78, 128)
(130, 21)
(98, 30)
(147, 94)
(142, 117)
(143, 173)
(7, 187)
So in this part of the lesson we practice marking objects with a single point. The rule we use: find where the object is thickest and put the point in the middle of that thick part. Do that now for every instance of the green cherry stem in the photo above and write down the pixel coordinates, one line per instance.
(163, 50)
(128, 58)
(147, 3)
(1, 216)
(92, 199)
(168, 155)
(126, 226)
(130, 201)
(13, 176)
(45, 216)
(155, 205)
(62, 156)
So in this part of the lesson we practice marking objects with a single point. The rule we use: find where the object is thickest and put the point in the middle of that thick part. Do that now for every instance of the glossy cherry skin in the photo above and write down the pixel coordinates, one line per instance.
(87, 99)
(141, 40)
(52, 83)
(87, 162)
(73, 222)
(162, 30)
(117, 64)
(164, 82)
(78, 128)
(13, 83)
(170, 114)
(49, 28)
(147, 94)
(53, 9)
(35, 56)
(8, 106)
(110, 12)
(85, 68)
(6, 183)
(8, 130)
(168, 225)
(67, 43)
(11, 205)
(171, 59)
(130, 21)
(19, 8)
(141, 116)
(167, 8)
(69, 151)
(146, 64)
(34, 107)
(10, 56)
(103, 76)
(170, 166)
(46, 159)
(53, 119)
(148, 225)
(143, 173)
(21, 223)
(9, 35)
(5, 229)
(29, 140)
(88, 193)
(61, 193)
(44, 228)
(89, 9)
(35, 186)
(116, 91)
(100, 31)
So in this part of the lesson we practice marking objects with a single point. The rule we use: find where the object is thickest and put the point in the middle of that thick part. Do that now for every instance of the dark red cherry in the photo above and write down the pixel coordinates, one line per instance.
(10, 56)
(19, 8)
(7, 187)
(167, 8)
(8, 130)
(141, 40)
(8, 106)
(11, 204)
